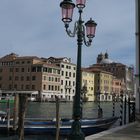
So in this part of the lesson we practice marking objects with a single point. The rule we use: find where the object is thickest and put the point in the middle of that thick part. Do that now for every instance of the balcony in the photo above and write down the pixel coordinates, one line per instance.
(68, 87)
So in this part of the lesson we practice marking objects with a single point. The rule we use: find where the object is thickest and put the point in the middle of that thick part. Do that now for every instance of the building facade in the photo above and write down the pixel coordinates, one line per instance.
(88, 85)
(103, 84)
(68, 76)
(119, 70)
(118, 85)
(29, 73)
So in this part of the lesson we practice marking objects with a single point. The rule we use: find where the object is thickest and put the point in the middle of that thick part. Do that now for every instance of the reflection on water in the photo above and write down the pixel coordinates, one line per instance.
(47, 110)
(30, 137)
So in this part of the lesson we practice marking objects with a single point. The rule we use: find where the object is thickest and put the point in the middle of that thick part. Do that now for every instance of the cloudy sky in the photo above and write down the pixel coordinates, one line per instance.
(34, 27)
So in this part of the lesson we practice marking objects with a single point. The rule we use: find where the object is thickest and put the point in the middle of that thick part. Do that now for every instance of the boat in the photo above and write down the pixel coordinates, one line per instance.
(2, 114)
(89, 126)
(38, 126)
(5, 99)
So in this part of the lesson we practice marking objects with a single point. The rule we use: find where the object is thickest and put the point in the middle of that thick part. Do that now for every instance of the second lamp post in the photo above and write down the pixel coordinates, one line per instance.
(79, 30)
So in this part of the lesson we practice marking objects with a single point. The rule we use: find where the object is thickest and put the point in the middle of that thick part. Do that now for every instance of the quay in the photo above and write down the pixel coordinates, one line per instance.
(126, 132)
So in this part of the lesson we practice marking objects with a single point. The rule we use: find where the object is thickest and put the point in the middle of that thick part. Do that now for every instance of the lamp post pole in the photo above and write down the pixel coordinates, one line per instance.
(79, 30)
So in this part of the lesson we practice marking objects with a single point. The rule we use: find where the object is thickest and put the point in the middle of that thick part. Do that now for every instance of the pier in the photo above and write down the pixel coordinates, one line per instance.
(127, 132)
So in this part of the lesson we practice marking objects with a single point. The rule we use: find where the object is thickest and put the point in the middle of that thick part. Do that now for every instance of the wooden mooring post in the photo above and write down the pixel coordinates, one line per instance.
(121, 109)
(15, 113)
(22, 109)
(57, 118)
(125, 110)
(113, 103)
(8, 115)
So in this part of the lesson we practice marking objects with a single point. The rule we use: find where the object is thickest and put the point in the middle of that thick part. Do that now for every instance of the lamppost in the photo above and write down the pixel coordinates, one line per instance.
(79, 30)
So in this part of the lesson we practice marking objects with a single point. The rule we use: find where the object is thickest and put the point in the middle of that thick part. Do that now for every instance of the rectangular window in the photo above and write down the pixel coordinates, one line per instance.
(22, 78)
(58, 71)
(15, 86)
(62, 73)
(10, 78)
(28, 62)
(58, 79)
(22, 87)
(49, 78)
(44, 78)
(73, 83)
(49, 87)
(17, 62)
(66, 73)
(11, 69)
(58, 88)
(33, 87)
(55, 88)
(22, 69)
(33, 69)
(49, 70)
(62, 66)
(61, 82)
(52, 87)
(10, 86)
(28, 69)
(66, 83)
(0, 70)
(54, 71)
(55, 79)
(16, 78)
(44, 87)
(27, 87)
(28, 78)
(33, 78)
(39, 69)
(44, 69)
(69, 83)
(17, 69)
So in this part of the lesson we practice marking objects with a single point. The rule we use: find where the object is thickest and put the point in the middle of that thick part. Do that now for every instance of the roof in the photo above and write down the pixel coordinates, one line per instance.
(28, 57)
(107, 61)
(97, 70)
(46, 64)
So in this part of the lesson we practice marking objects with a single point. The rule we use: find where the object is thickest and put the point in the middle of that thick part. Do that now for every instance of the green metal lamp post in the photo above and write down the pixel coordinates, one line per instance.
(79, 30)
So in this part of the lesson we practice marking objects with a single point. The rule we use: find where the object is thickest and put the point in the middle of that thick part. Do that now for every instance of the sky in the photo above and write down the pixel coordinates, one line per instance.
(35, 28)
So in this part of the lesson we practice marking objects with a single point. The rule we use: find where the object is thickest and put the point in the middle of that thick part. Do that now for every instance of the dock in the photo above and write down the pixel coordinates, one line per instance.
(127, 132)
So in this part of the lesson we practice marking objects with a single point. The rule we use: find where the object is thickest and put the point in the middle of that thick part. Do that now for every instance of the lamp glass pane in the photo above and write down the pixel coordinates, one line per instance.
(67, 12)
(80, 3)
(90, 30)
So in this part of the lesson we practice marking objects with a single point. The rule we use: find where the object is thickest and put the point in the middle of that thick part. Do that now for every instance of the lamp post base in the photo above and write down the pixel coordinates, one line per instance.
(76, 133)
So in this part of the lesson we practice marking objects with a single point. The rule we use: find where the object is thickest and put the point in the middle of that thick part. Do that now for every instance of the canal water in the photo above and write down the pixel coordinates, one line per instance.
(47, 110)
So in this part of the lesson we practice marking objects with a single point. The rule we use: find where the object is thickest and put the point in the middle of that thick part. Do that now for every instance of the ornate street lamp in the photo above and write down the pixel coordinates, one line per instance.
(79, 30)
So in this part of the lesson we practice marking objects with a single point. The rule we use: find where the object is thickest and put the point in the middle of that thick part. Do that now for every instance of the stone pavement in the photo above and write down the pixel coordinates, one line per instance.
(127, 132)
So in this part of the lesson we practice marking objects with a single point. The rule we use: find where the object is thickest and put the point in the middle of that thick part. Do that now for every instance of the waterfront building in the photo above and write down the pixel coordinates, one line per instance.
(68, 76)
(88, 85)
(29, 74)
(119, 70)
(103, 84)
(118, 85)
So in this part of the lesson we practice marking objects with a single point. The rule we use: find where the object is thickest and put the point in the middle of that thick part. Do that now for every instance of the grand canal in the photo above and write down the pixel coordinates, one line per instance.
(48, 110)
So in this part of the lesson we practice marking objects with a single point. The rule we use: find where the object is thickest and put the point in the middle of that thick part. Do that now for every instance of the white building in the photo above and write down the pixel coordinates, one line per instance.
(68, 76)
